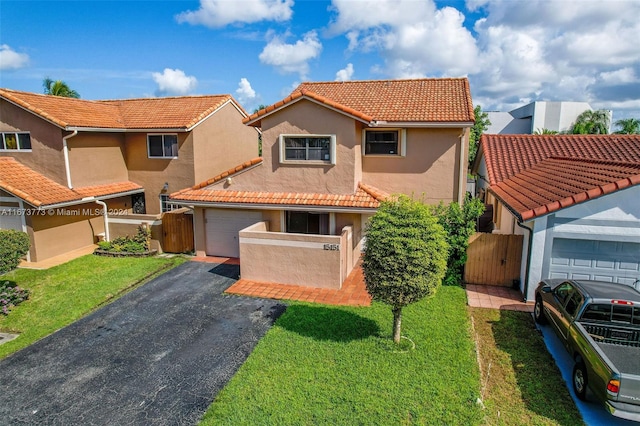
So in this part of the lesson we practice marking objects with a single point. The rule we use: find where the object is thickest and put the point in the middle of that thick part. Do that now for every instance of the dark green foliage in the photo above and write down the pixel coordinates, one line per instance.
(139, 243)
(406, 252)
(58, 88)
(11, 295)
(13, 246)
(591, 123)
(628, 126)
(481, 124)
(459, 224)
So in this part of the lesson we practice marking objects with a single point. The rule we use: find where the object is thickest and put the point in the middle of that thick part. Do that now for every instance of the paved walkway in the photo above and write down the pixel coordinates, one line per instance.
(58, 260)
(352, 293)
(496, 297)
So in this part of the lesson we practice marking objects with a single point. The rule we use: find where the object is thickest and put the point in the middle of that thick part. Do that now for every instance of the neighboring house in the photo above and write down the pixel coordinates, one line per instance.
(331, 152)
(535, 116)
(575, 198)
(62, 158)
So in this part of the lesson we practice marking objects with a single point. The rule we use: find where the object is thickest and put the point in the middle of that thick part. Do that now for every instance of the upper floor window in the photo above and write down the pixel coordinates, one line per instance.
(162, 146)
(384, 142)
(308, 148)
(14, 141)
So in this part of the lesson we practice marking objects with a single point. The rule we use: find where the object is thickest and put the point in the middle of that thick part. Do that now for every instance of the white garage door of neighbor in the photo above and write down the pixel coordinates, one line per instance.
(612, 261)
(222, 227)
(10, 219)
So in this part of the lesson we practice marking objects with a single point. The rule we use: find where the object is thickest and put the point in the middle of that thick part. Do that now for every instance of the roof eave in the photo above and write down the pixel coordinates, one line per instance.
(256, 206)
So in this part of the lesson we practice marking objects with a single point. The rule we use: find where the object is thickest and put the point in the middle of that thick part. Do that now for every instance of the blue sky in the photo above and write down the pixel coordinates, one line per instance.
(512, 51)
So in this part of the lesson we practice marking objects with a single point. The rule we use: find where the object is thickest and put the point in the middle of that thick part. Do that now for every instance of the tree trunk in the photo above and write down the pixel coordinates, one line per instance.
(397, 321)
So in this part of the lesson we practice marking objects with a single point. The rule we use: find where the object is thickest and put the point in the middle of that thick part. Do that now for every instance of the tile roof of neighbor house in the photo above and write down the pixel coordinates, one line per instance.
(40, 191)
(147, 113)
(366, 196)
(538, 174)
(430, 100)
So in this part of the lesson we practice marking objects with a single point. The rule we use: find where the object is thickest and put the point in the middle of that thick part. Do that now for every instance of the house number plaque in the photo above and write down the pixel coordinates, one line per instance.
(332, 247)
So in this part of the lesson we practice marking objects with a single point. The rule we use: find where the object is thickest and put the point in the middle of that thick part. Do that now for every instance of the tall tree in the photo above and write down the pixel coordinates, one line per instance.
(481, 124)
(405, 257)
(628, 126)
(58, 88)
(591, 123)
(545, 131)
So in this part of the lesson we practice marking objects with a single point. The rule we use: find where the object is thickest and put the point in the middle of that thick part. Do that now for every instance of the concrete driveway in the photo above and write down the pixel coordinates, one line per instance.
(156, 356)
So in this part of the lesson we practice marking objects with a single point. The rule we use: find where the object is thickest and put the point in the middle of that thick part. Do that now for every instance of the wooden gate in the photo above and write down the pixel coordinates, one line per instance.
(177, 232)
(493, 259)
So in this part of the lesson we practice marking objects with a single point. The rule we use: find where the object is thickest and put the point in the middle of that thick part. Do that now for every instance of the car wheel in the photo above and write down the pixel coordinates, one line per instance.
(538, 311)
(580, 380)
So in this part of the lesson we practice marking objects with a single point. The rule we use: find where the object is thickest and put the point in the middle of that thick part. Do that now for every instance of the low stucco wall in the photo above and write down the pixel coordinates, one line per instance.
(123, 225)
(310, 260)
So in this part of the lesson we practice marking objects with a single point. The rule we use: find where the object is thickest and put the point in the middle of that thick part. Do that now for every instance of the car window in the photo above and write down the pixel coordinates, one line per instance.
(562, 292)
(622, 314)
(573, 304)
(597, 312)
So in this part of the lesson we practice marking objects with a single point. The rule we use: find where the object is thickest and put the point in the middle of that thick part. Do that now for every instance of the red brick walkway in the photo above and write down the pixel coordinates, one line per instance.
(495, 297)
(352, 293)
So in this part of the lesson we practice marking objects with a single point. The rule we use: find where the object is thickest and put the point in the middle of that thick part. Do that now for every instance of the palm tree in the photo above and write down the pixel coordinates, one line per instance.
(545, 131)
(58, 88)
(628, 126)
(591, 123)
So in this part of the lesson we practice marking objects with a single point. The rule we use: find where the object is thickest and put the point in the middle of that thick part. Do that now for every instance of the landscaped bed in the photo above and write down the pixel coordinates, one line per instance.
(65, 293)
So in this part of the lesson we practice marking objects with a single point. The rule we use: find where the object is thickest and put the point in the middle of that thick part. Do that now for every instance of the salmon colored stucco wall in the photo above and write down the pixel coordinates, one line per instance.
(46, 154)
(97, 158)
(222, 142)
(152, 173)
(429, 171)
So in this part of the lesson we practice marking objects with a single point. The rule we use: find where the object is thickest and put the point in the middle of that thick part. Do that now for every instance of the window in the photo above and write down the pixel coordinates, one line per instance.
(162, 146)
(308, 223)
(15, 141)
(384, 142)
(137, 204)
(572, 305)
(165, 205)
(308, 148)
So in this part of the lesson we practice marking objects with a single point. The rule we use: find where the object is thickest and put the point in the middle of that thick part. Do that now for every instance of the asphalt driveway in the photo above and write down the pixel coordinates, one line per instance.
(156, 356)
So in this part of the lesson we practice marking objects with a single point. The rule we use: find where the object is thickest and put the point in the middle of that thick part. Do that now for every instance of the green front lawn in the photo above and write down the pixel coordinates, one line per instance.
(65, 293)
(337, 365)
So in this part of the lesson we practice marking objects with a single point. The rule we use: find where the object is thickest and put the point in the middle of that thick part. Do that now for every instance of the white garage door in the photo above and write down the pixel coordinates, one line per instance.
(595, 260)
(10, 219)
(222, 227)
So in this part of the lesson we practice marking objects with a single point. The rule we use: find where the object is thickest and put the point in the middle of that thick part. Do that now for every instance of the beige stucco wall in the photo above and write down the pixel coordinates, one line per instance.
(222, 142)
(152, 173)
(117, 229)
(46, 154)
(429, 171)
(97, 158)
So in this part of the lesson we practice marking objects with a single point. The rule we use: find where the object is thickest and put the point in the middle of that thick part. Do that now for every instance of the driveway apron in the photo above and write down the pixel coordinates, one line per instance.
(156, 356)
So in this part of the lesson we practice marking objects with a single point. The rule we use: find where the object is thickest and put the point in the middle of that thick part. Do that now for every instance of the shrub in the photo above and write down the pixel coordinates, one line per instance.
(13, 246)
(11, 295)
(139, 243)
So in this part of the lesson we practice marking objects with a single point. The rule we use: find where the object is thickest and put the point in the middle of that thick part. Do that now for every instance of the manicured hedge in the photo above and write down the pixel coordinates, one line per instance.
(13, 246)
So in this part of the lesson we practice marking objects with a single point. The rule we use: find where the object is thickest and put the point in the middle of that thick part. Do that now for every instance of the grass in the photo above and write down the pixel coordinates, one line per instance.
(65, 293)
(520, 380)
(337, 365)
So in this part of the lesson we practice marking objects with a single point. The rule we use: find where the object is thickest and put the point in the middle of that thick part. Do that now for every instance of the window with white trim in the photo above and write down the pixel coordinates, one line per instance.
(166, 205)
(15, 141)
(384, 142)
(162, 146)
(308, 148)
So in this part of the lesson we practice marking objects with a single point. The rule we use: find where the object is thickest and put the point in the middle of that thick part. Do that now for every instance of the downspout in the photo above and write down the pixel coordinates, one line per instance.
(65, 150)
(462, 175)
(106, 219)
(528, 265)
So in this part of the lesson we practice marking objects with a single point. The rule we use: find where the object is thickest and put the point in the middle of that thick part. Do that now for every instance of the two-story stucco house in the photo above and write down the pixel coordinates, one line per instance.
(62, 160)
(331, 152)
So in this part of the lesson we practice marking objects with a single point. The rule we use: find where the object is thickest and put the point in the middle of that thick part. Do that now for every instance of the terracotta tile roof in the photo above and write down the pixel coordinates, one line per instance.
(364, 197)
(226, 174)
(147, 113)
(436, 100)
(538, 174)
(40, 191)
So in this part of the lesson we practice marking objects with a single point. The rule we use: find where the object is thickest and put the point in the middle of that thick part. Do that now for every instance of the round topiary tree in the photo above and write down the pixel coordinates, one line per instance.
(405, 257)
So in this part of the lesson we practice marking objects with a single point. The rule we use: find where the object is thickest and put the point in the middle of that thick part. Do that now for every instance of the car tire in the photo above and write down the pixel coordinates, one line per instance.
(579, 380)
(538, 311)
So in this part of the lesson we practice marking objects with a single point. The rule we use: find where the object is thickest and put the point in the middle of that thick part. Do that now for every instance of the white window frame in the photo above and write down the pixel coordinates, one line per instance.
(15, 134)
(402, 142)
(163, 157)
(165, 205)
(332, 149)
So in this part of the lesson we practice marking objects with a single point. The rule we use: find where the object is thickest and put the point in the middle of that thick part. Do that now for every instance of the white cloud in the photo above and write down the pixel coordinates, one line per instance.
(345, 74)
(246, 95)
(174, 82)
(292, 58)
(11, 60)
(218, 13)
(621, 76)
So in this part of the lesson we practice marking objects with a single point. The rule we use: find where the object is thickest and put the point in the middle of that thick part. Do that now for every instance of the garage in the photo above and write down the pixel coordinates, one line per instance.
(222, 227)
(10, 218)
(612, 261)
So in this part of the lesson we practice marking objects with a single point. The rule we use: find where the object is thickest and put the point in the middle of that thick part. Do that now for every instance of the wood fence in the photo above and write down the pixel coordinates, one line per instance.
(493, 259)
(177, 232)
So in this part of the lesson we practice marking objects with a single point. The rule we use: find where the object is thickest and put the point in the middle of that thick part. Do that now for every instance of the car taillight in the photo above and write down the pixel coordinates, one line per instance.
(622, 302)
(613, 386)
